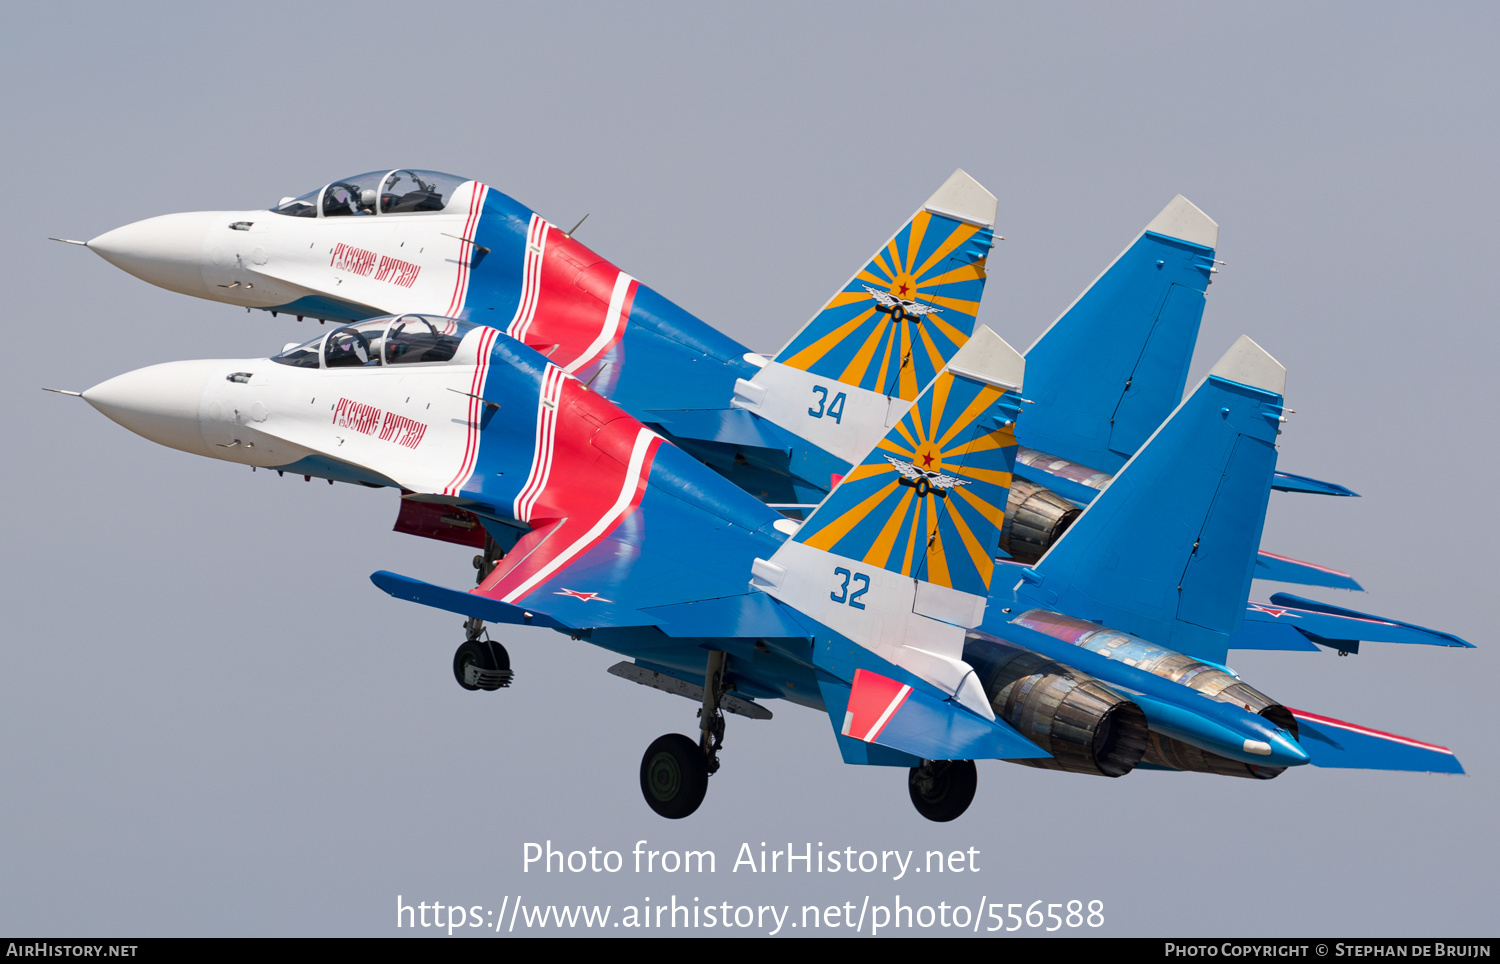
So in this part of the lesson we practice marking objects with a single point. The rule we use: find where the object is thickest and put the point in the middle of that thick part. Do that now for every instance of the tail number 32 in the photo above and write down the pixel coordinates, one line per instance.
(843, 595)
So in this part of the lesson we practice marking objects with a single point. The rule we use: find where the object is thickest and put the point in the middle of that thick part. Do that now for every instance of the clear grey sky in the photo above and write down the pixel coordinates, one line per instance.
(212, 723)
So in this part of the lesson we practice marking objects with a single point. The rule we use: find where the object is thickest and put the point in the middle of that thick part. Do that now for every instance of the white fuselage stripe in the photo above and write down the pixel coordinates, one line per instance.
(465, 255)
(531, 279)
(546, 439)
(612, 323)
(889, 710)
(643, 439)
(476, 410)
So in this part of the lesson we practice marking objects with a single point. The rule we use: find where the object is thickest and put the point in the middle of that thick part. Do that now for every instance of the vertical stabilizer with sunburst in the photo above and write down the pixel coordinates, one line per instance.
(855, 368)
(899, 557)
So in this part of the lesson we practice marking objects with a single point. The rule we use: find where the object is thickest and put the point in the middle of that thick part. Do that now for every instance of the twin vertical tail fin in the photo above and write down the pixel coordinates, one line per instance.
(886, 333)
(1114, 364)
(899, 557)
(1168, 549)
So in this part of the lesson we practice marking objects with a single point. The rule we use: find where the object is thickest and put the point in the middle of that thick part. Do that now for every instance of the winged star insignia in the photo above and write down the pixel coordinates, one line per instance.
(900, 307)
(925, 477)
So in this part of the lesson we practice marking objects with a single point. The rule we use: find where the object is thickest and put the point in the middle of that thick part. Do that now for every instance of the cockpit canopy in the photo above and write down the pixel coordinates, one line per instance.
(389, 340)
(402, 191)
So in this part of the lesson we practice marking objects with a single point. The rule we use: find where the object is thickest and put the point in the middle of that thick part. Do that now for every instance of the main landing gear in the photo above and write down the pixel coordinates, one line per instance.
(481, 663)
(942, 790)
(675, 770)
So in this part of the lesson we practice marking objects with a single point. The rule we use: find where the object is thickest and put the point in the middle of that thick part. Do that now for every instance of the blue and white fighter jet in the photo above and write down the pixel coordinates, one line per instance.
(886, 608)
(784, 428)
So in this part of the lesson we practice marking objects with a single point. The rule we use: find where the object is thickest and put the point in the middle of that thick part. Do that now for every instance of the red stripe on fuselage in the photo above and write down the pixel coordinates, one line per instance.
(565, 311)
(600, 463)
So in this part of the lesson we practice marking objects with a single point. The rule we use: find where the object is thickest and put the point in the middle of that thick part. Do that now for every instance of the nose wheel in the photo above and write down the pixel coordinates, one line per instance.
(942, 790)
(482, 664)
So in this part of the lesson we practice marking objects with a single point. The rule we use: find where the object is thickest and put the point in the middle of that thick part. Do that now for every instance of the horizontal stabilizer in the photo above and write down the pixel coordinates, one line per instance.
(1265, 633)
(1287, 482)
(1081, 483)
(883, 711)
(1295, 623)
(1337, 622)
(1335, 743)
(1268, 565)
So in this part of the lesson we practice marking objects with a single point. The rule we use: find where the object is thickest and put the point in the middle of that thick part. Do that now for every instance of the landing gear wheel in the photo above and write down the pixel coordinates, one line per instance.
(674, 776)
(481, 664)
(942, 790)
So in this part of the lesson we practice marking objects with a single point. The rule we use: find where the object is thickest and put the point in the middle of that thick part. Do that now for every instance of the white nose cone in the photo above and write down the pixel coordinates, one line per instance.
(167, 251)
(160, 402)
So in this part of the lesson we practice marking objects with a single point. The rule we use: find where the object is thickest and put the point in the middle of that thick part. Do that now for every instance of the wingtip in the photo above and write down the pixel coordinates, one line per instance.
(1249, 364)
(1184, 220)
(964, 198)
(990, 358)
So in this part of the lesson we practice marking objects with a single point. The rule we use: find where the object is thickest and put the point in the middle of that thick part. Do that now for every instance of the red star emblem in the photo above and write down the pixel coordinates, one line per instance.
(926, 460)
(904, 288)
(1275, 613)
(585, 596)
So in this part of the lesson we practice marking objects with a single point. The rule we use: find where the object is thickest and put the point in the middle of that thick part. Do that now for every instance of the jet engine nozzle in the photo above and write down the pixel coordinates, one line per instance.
(1087, 727)
(1260, 745)
(166, 251)
(1035, 517)
(159, 402)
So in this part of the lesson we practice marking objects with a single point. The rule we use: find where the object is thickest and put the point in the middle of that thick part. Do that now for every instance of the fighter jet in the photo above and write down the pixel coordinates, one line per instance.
(784, 428)
(885, 608)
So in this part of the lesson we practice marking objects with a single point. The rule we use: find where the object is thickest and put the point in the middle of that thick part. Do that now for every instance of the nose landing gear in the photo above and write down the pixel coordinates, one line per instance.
(481, 663)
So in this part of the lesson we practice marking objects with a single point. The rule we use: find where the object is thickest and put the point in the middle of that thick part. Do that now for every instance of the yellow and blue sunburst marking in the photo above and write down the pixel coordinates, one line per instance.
(898, 321)
(929, 501)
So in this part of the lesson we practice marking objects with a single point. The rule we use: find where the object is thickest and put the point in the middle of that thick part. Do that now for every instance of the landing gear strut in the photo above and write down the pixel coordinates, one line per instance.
(675, 771)
(481, 663)
(710, 717)
(942, 790)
